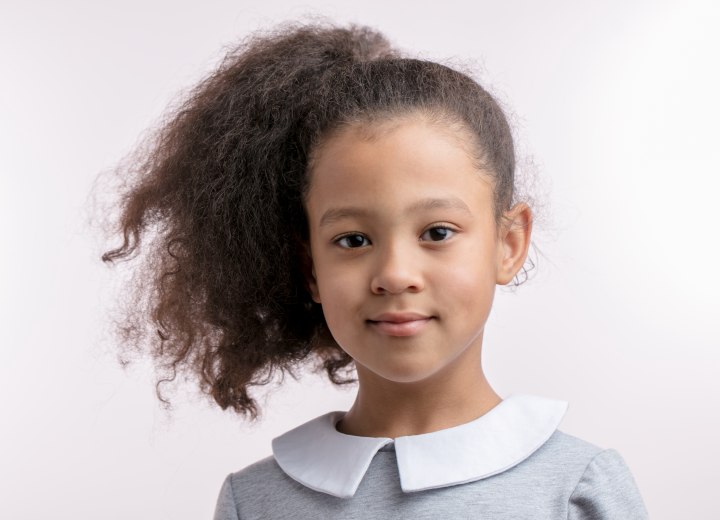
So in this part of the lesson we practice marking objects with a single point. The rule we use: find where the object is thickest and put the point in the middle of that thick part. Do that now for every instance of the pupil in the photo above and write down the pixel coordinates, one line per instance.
(438, 233)
(355, 240)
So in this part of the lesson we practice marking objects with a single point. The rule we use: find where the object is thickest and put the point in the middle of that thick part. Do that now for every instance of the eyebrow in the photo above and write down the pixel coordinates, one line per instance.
(335, 214)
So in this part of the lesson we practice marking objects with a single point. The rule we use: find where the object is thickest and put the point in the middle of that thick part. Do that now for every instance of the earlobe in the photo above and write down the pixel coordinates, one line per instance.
(308, 270)
(313, 287)
(514, 241)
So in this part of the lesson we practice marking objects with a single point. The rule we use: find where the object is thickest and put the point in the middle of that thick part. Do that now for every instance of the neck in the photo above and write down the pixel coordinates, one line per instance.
(455, 395)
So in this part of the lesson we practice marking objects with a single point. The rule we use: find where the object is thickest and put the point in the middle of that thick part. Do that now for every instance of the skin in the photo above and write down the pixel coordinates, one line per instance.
(389, 259)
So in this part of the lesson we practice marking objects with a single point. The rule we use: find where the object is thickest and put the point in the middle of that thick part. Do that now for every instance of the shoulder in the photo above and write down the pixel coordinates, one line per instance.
(568, 447)
(563, 455)
(258, 474)
(250, 488)
(604, 486)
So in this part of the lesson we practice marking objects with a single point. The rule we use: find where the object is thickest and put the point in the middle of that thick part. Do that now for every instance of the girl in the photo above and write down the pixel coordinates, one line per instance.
(321, 197)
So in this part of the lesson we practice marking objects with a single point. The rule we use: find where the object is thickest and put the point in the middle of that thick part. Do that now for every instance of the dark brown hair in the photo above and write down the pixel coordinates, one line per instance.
(219, 189)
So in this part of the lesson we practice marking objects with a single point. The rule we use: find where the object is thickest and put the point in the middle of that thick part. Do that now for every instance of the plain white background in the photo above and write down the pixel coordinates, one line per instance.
(617, 104)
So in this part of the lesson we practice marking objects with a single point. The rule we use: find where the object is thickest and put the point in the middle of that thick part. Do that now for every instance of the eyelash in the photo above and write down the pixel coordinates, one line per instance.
(338, 239)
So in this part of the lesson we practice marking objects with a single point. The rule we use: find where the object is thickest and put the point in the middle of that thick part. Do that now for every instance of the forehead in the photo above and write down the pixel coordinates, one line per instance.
(396, 162)
(372, 129)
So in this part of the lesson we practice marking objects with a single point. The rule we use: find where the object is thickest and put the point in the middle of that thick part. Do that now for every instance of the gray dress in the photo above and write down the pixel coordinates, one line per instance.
(511, 463)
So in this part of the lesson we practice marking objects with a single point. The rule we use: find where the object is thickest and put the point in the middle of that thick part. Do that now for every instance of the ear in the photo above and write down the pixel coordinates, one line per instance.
(308, 271)
(513, 242)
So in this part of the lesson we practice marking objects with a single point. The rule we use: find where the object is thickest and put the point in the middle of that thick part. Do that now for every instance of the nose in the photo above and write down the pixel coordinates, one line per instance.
(397, 269)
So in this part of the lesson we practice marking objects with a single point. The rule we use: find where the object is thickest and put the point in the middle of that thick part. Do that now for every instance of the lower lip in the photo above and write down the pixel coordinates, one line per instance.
(406, 328)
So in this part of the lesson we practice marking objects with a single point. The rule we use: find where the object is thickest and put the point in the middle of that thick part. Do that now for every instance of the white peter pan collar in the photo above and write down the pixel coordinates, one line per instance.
(324, 459)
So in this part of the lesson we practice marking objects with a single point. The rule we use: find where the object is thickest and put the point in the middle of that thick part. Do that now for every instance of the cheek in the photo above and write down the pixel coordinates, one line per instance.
(467, 285)
(341, 289)
(331, 277)
(341, 307)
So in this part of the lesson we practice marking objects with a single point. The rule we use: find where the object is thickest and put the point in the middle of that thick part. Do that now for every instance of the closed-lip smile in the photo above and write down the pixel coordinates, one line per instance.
(399, 317)
(399, 323)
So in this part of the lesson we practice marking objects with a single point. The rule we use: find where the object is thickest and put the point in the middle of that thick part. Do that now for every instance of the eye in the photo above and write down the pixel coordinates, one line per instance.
(439, 233)
(352, 241)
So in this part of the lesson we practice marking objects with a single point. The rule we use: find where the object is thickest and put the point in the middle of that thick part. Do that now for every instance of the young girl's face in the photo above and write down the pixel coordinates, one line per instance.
(405, 250)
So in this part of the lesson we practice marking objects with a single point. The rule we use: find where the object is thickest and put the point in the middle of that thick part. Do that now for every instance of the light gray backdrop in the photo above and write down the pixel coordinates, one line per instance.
(617, 103)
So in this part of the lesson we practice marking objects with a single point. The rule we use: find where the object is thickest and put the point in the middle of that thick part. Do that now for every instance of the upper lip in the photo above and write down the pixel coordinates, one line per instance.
(399, 317)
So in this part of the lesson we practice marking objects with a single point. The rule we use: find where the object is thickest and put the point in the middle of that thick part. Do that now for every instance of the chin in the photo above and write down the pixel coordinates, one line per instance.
(405, 375)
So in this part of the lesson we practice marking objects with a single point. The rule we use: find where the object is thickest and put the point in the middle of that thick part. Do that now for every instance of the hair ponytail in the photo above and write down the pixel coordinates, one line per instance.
(222, 291)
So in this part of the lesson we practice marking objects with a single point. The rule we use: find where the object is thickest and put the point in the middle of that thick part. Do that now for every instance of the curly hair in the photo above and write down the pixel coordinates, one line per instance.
(222, 294)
